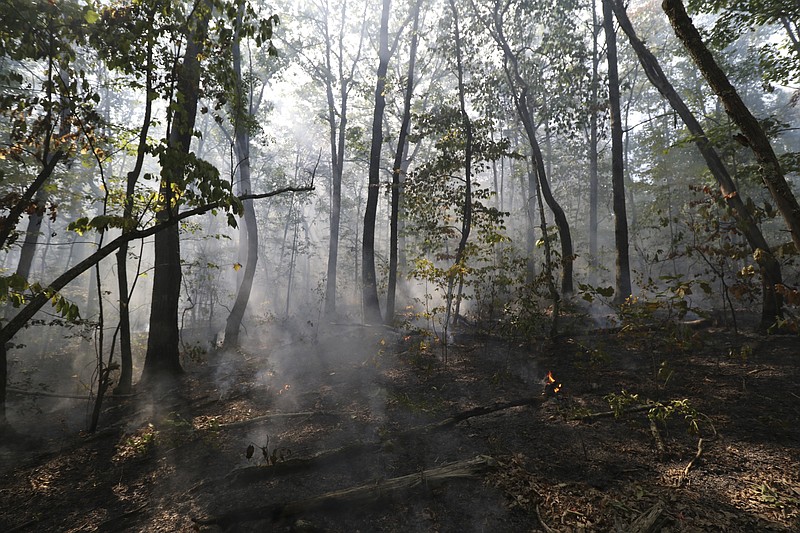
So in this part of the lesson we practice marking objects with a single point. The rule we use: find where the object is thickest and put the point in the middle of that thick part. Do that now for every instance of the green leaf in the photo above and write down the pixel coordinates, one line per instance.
(91, 16)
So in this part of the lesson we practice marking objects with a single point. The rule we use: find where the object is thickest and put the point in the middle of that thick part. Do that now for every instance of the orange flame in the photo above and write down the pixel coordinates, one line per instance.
(552, 381)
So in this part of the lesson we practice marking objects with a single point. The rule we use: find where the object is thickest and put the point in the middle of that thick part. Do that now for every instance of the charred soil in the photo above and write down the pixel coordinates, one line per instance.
(370, 429)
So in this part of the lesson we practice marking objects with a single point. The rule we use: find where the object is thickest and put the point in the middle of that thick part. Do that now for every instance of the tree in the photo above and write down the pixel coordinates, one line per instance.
(521, 90)
(372, 308)
(772, 173)
(162, 357)
(770, 268)
(623, 271)
(242, 113)
(397, 168)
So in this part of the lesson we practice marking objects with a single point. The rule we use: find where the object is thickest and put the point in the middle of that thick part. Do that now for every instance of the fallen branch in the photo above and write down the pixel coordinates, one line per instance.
(254, 473)
(369, 494)
(271, 416)
(610, 414)
(650, 521)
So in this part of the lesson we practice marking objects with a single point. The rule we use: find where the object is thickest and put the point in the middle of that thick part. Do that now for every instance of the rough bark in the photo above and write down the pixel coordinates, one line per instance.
(372, 307)
(770, 268)
(771, 171)
(623, 269)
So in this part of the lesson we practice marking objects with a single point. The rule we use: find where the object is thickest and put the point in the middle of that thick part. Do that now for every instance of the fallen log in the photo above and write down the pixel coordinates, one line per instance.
(295, 464)
(274, 416)
(369, 494)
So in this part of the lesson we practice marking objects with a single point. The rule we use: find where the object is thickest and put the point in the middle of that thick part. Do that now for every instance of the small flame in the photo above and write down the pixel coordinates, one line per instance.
(284, 389)
(552, 381)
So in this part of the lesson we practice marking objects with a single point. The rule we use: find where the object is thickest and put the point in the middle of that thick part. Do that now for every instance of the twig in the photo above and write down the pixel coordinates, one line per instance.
(270, 416)
(547, 528)
(692, 462)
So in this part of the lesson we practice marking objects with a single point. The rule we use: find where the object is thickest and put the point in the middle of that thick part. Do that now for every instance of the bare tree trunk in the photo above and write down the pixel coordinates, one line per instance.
(594, 262)
(623, 270)
(162, 357)
(372, 306)
(520, 88)
(770, 268)
(242, 110)
(126, 352)
(397, 169)
(771, 171)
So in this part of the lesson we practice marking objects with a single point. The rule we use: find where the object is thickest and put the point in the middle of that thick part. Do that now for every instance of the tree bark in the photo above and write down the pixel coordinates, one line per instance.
(623, 270)
(771, 171)
(397, 168)
(770, 268)
(162, 357)
(126, 352)
(242, 110)
(594, 262)
(520, 88)
(372, 306)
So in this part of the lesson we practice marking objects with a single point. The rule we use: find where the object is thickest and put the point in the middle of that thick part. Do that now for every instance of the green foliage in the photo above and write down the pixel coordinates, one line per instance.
(779, 54)
(658, 411)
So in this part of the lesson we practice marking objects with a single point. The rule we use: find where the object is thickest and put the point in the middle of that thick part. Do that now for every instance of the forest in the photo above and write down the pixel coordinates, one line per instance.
(410, 265)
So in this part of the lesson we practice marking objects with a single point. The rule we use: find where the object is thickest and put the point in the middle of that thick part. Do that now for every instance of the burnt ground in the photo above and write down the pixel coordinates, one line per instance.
(175, 460)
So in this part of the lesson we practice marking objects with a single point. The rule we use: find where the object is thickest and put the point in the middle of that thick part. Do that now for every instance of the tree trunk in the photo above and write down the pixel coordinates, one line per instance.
(466, 221)
(520, 88)
(163, 341)
(126, 352)
(372, 307)
(623, 271)
(397, 169)
(594, 262)
(241, 135)
(771, 171)
(770, 268)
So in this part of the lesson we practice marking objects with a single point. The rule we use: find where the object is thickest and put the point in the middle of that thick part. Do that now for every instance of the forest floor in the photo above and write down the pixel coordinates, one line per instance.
(355, 428)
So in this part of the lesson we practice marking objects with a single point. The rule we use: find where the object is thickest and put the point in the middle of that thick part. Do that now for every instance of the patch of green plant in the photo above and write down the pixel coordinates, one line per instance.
(658, 411)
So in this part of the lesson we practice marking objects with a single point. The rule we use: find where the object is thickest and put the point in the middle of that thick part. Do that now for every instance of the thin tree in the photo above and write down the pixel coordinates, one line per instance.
(520, 90)
(372, 306)
(456, 271)
(242, 111)
(623, 269)
(397, 168)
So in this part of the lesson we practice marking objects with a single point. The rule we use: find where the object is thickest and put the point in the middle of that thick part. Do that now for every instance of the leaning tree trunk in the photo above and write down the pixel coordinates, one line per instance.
(520, 88)
(623, 271)
(372, 307)
(771, 171)
(162, 357)
(242, 149)
(770, 267)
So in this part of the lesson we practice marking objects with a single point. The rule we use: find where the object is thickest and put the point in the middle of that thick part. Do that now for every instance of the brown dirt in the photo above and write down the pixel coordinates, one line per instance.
(160, 461)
